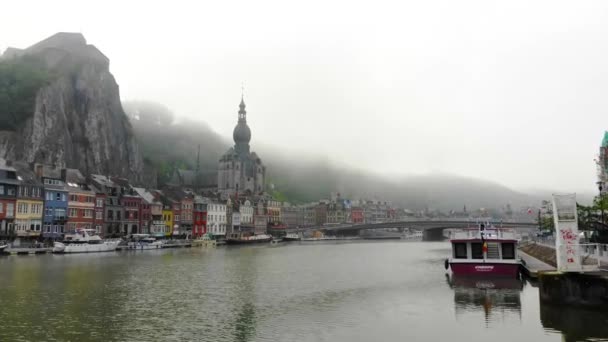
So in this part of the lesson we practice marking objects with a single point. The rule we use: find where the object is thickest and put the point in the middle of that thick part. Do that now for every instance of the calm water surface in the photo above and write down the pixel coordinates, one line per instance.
(377, 291)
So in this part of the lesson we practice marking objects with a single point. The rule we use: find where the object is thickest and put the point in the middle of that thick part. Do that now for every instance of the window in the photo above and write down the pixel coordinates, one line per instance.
(460, 250)
(59, 213)
(118, 215)
(10, 208)
(100, 203)
(88, 213)
(58, 196)
(48, 196)
(476, 250)
(135, 214)
(73, 198)
(508, 251)
(47, 228)
(63, 197)
(48, 211)
(1, 208)
(10, 191)
(73, 212)
(99, 215)
(1, 189)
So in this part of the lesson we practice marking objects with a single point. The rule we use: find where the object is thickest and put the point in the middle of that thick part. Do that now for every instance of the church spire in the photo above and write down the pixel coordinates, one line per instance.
(242, 111)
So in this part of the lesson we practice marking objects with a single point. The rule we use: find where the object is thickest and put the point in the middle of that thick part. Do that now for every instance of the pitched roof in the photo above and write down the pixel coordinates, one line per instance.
(146, 195)
(74, 176)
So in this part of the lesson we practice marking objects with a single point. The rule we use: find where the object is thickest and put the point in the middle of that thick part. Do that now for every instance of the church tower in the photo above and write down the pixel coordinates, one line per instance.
(242, 133)
(240, 170)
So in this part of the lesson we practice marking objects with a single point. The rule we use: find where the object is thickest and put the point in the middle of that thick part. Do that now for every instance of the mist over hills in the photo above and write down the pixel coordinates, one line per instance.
(167, 142)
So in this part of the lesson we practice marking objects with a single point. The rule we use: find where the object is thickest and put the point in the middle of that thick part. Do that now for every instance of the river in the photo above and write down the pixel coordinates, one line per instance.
(365, 291)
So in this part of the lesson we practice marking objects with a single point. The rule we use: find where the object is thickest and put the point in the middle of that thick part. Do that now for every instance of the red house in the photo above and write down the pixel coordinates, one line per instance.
(199, 224)
(357, 215)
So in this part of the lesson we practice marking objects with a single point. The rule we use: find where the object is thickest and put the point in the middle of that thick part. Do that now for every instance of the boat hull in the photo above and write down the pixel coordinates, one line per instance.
(487, 268)
(106, 246)
(288, 239)
(246, 242)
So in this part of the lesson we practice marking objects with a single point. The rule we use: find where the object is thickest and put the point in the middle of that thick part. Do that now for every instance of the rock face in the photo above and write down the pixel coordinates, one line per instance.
(78, 120)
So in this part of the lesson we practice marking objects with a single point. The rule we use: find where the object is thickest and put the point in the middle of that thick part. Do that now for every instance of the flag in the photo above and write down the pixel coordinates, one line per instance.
(484, 247)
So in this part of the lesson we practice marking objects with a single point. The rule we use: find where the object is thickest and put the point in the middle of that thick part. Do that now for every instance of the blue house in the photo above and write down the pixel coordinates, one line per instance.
(55, 216)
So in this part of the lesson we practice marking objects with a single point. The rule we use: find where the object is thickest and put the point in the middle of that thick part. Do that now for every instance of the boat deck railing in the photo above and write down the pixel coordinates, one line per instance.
(465, 234)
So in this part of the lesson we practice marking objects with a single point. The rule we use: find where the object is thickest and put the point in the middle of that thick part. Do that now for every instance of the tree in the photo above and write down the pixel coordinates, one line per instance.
(20, 80)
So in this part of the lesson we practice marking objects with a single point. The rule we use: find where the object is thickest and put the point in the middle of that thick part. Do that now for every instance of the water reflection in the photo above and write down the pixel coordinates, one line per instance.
(575, 324)
(494, 296)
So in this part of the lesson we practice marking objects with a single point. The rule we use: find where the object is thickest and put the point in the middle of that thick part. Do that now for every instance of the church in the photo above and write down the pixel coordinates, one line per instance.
(240, 170)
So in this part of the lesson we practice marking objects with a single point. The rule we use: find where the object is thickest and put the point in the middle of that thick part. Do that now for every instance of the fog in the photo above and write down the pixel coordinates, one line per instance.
(510, 92)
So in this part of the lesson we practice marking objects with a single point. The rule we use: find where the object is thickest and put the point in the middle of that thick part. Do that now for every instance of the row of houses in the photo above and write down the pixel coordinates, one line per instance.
(39, 201)
(335, 211)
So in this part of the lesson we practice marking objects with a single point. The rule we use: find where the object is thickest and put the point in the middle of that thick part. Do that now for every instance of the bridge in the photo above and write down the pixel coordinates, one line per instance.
(432, 229)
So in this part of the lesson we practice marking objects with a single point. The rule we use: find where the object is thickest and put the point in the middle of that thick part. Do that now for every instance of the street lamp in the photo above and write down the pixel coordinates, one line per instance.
(600, 186)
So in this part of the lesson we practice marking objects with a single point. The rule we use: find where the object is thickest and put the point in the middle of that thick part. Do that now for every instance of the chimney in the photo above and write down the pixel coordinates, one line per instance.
(39, 170)
(64, 175)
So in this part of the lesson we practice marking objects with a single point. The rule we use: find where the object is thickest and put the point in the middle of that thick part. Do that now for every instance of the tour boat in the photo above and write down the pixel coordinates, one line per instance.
(484, 251)
(291, 237)
(236, 239)
(84, 241)
(144, 242)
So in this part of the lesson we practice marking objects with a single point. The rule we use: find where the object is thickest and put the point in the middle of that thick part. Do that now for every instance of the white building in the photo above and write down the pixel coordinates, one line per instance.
(216, 218)
(246, 211)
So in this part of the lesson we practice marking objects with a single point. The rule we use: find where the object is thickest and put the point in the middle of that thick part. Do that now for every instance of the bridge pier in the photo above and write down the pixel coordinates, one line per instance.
(435, 234)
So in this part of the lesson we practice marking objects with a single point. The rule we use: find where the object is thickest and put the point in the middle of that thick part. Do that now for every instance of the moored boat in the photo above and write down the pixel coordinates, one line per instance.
(291, 237)
(204, 241)
(84, 241)
(236, 239)
(484, 251)
(144, 242)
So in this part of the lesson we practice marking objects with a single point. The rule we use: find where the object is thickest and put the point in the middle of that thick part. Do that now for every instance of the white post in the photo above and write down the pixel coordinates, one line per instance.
(566, 230)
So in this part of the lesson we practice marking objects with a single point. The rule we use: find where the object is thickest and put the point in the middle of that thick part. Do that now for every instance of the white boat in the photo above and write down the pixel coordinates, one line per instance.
(84, 241)
(144, 242)
(3, 247)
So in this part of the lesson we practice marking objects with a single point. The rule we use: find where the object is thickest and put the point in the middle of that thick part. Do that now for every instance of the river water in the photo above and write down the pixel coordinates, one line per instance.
(366, 291)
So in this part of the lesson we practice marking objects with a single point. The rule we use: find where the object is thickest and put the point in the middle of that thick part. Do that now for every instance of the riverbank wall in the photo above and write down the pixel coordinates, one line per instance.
(579, 289)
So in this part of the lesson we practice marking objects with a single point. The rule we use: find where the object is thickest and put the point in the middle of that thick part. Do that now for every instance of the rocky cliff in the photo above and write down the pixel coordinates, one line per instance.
(75, 119)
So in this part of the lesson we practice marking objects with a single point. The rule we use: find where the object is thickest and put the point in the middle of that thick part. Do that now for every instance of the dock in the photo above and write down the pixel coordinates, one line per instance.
(533, 267)
(27, 251)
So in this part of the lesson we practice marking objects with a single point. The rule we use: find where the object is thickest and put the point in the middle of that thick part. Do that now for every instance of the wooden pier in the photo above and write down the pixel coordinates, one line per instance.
(27, 251)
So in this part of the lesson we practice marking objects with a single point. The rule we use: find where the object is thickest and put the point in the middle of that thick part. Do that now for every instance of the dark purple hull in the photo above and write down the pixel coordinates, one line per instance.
(487, 268)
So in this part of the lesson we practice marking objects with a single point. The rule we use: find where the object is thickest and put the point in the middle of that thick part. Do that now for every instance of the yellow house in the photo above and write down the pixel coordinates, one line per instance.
(168, 219)
(29, 210)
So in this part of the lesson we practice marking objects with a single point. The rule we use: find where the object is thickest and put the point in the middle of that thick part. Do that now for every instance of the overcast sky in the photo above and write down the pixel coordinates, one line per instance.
(512, 91)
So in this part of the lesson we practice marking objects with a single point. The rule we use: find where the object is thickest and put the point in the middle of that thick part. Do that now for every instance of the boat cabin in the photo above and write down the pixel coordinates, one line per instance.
(497, 244)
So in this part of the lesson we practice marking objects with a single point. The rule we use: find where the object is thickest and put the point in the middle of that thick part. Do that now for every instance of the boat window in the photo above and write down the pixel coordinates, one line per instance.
(476, 250)
(460, 250)
(508, 251)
